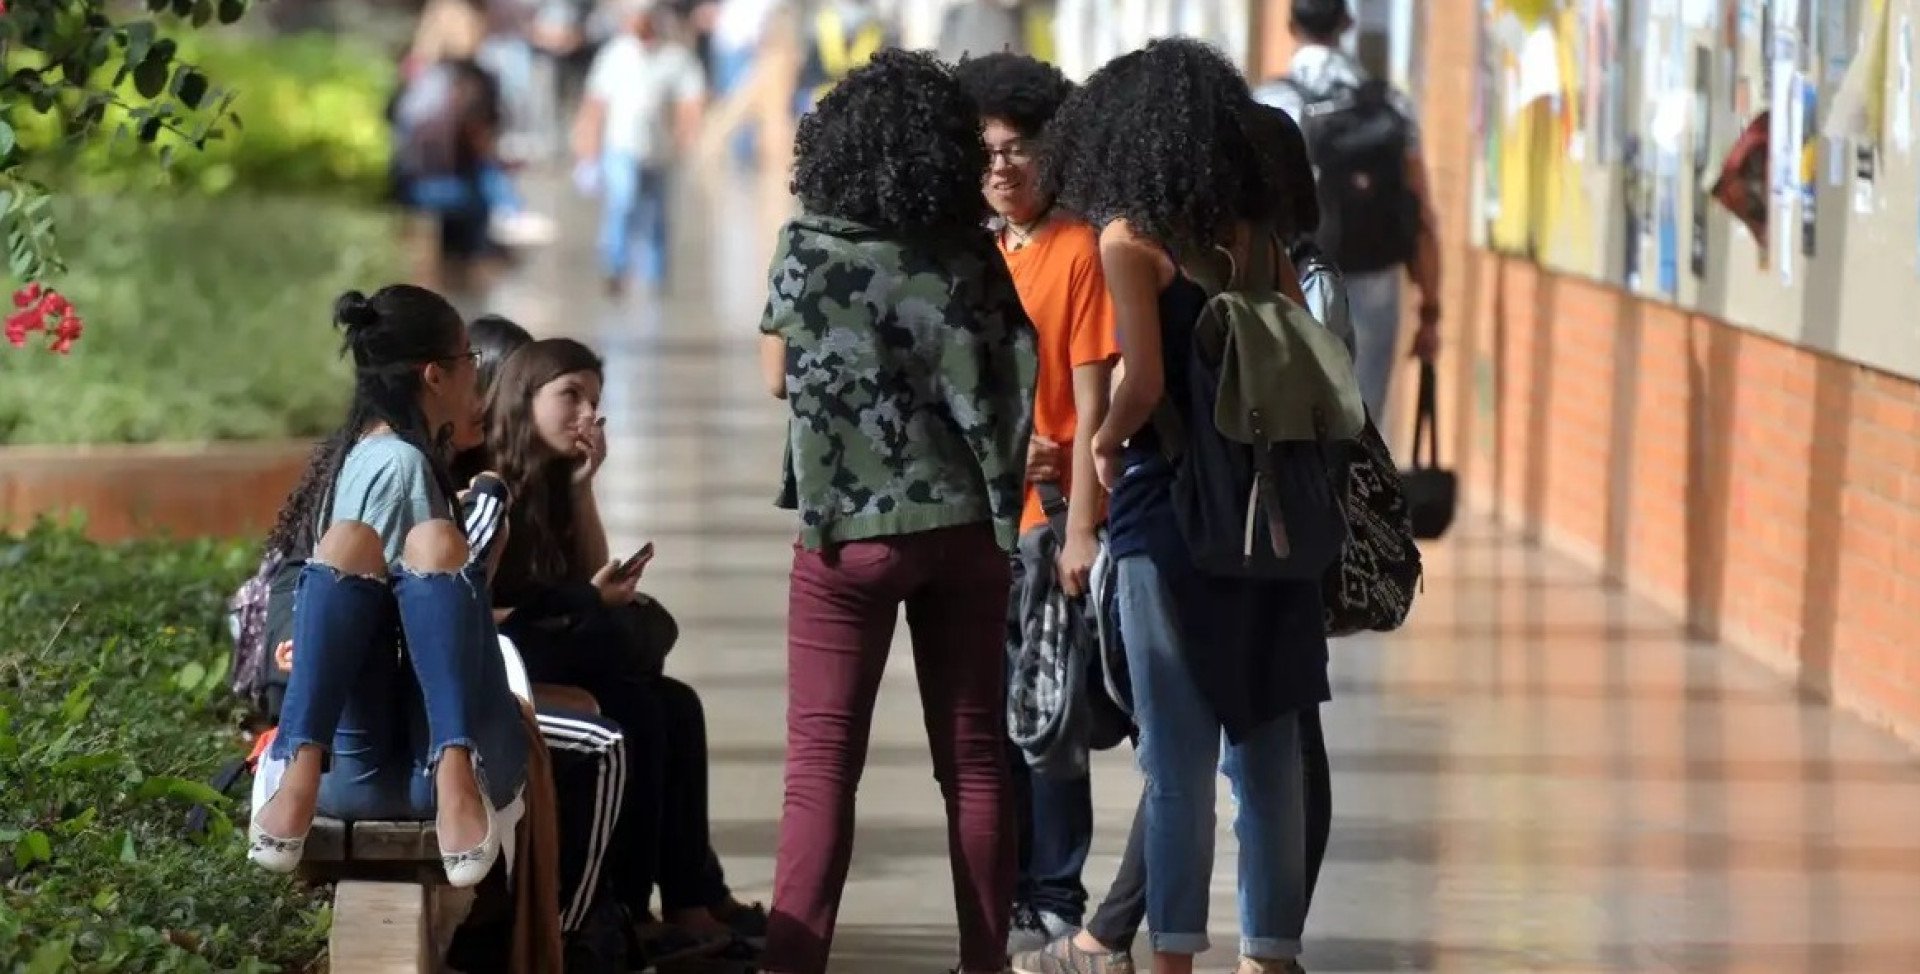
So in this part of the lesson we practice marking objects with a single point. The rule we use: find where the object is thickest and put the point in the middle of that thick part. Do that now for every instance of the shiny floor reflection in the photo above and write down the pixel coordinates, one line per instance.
(1537, 775)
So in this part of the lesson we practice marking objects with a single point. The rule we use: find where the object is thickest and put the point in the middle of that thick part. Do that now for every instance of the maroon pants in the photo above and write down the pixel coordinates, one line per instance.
(842, 608)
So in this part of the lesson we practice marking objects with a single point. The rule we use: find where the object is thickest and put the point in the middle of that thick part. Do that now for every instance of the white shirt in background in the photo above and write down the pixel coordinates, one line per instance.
(642, 84)
(741, 23)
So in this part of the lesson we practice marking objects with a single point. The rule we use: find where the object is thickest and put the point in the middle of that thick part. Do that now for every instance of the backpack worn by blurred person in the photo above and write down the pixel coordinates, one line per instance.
(1358, 139)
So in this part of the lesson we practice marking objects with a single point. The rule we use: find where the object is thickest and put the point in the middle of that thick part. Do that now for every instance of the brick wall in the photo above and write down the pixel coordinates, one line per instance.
(1768, 494)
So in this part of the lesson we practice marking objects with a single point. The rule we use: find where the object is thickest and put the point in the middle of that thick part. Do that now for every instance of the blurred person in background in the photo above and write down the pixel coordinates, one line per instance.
(644, 101)
(1388, 229)
(739, 26)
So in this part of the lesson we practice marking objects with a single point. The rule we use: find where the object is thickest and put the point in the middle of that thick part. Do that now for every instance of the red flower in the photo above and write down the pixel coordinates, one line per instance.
(37, 303)
(66, 333)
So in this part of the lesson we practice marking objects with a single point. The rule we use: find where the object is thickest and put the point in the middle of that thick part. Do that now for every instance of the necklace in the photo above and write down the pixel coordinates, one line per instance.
(1020, 236)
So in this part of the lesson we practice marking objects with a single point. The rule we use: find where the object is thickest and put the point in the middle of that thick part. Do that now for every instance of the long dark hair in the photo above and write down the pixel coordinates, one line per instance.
(493, 337)
(391, 337)
(540, 542)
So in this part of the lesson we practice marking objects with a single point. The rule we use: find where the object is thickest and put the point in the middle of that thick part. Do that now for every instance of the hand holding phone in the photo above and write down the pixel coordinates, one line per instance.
(632, 567)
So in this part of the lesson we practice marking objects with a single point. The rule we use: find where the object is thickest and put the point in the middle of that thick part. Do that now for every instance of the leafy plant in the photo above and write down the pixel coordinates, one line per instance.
(73, 61)
(112, 714)
(207, 319)
(315, 111)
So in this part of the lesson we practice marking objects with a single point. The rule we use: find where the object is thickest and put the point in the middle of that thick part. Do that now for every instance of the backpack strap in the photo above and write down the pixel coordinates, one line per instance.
(1053, 503)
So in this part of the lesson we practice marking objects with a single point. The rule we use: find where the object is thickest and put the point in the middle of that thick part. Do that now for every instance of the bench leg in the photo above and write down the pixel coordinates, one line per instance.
(381, 928)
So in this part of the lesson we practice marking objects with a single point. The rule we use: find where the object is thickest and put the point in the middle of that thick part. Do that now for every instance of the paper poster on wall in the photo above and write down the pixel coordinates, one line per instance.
(1831, 53)
(1702, 150)
(1600, 83)
(1858, 110)
(1669, 234)
(1632, 241)
(1903, 88)
(1786, 141)
(1809, 163)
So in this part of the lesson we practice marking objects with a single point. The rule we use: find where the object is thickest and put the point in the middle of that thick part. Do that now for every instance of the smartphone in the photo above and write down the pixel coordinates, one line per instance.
(633, 566)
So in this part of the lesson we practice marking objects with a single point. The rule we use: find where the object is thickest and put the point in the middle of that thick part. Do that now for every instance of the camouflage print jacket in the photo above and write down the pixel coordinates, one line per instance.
(910, 371)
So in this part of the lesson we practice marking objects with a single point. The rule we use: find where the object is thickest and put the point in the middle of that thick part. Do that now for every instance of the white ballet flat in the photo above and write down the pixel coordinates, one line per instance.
(468, 868)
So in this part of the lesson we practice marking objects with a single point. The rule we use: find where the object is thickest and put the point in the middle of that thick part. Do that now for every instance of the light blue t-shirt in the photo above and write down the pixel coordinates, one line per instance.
(387, 484)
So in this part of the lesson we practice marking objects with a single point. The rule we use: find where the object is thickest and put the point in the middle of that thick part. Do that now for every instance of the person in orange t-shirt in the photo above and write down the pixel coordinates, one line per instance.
(1055, 262)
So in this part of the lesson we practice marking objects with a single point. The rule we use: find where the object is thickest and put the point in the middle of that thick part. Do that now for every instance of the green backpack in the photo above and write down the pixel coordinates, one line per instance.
(1256, 490)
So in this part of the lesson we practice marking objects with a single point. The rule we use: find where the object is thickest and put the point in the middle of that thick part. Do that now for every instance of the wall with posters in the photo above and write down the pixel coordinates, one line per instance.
(1603, 127)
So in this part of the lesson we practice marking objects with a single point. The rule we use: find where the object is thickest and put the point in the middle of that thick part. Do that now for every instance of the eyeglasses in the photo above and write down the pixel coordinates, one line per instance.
(1016, 153)
(471, 355)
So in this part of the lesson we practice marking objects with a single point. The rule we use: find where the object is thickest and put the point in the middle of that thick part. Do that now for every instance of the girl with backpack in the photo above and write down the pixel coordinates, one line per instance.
(389, 563)
(1156, 148)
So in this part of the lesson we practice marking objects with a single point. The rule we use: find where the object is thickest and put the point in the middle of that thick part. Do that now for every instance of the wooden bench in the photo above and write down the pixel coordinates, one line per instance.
(393, 912)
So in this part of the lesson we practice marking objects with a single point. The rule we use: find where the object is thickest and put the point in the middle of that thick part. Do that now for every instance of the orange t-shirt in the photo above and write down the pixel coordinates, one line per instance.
(1065, 293)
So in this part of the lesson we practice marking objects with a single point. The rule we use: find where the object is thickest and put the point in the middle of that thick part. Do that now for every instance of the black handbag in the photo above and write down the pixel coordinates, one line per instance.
(1432, 491)
(1371, 587)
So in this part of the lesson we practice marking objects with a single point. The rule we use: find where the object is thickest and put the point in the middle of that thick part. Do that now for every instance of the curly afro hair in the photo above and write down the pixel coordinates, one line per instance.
(1018, 90)
(1158, 138)
(895, 145)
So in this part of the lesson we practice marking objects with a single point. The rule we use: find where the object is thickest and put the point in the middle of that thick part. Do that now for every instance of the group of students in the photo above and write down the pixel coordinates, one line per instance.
(951, 389)
(982, 324)
(453, 635)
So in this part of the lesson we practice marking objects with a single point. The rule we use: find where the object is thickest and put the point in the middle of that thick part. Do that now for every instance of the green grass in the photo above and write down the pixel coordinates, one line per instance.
(113, 709)
(206, 319)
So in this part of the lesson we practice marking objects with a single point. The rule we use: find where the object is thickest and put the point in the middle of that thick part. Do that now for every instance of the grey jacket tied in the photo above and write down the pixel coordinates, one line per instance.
(1058, 705)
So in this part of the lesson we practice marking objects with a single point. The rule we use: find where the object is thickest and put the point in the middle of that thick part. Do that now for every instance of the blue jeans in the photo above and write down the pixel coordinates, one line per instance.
(1373, 305)
(633, 211)
(1056, 833)
(384, 716)
(1180, 745)
(490, 189)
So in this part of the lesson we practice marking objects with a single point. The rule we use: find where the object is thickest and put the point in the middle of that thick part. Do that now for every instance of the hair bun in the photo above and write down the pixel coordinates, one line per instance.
(355, 311)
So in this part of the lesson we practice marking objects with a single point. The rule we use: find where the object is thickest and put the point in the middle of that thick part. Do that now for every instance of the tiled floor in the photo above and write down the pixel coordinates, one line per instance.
(1537, 775)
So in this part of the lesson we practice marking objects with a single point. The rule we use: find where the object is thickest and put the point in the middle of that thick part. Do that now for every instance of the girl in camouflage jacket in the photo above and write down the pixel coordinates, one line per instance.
(894, 333)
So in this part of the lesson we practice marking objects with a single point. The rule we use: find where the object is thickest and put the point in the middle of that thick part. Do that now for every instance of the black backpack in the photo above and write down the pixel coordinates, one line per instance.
(1358, 140)
(1372, 584)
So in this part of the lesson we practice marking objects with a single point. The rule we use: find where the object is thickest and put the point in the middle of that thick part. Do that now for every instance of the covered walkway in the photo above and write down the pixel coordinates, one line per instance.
(1537, 775)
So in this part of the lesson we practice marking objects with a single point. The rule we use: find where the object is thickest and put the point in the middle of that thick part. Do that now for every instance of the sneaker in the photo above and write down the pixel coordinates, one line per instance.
(1255, 965)
(524, 229)
(1033, 929)
(1063, 956)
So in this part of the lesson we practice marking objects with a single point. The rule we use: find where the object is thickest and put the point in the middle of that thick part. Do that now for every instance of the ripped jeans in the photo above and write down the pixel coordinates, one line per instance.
(389, 672)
